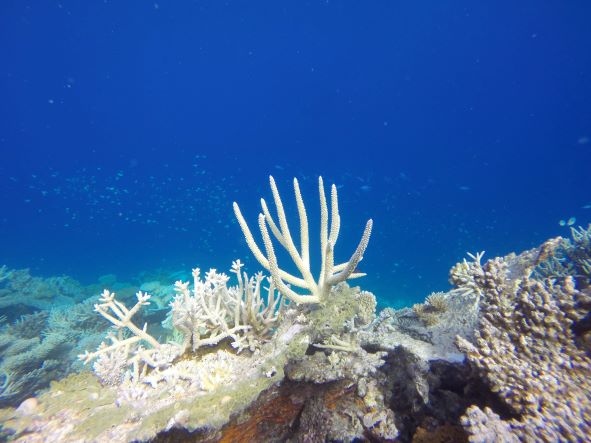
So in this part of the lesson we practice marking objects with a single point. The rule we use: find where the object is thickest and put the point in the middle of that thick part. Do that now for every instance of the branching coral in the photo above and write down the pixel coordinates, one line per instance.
(206, 315)
(212, 312)
(466, 275)
(430, 311)
(526, 349)
(580, 253)
(330, 274)
(20, 292)
(29, 358)
(569, 257)
(114, 357)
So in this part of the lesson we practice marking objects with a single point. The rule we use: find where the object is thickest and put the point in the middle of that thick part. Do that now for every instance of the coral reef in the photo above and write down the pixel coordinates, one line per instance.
(204, 316)
(39, 337)
(201, 393)
(503, 356)
(27, 358)
(21, 293)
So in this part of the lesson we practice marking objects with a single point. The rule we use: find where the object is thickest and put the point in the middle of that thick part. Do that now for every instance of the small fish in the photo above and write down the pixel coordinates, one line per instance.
(587, 206)
(570, 222)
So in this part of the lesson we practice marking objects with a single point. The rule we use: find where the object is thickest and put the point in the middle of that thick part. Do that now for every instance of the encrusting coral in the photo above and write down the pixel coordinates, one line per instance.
(330, 274)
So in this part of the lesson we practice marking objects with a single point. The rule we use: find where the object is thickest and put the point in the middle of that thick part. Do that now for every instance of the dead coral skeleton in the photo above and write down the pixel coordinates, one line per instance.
(335, 343)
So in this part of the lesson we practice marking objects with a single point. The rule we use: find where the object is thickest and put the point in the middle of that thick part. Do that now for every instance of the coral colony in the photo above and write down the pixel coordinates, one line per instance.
(503, 356)
(330, 275)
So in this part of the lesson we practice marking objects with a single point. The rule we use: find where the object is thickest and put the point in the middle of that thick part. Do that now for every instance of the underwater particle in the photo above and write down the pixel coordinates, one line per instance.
(583, 140)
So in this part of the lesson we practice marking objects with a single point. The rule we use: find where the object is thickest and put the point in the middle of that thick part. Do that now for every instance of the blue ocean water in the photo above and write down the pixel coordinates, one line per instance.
(127, 129)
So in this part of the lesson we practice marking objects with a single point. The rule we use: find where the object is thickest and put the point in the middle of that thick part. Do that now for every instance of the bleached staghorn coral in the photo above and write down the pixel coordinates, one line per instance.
(112, 359)
(330, 274)
(205, 315)
(212, 312)
(466, 274)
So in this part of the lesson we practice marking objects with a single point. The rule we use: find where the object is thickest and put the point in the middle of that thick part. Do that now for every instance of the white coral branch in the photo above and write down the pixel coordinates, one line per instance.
(330, 274)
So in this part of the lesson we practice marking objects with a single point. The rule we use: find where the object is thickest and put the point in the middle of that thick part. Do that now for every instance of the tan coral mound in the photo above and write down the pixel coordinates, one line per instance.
(526, 350)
